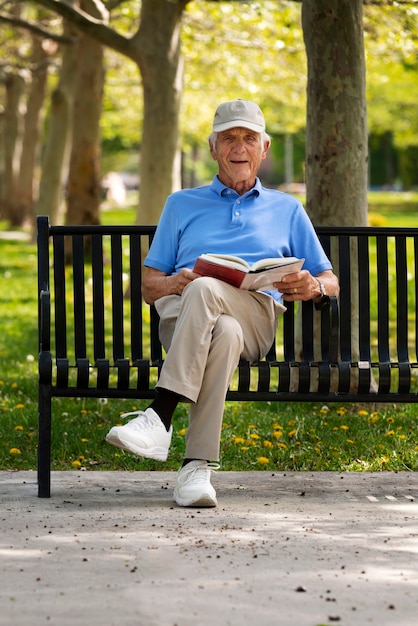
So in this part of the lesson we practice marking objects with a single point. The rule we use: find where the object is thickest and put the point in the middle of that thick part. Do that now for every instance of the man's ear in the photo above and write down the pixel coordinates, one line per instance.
(265, 149)
(212, 152)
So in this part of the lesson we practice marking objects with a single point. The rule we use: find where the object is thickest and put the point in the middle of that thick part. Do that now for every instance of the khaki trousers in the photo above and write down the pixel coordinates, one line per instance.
(205, 332)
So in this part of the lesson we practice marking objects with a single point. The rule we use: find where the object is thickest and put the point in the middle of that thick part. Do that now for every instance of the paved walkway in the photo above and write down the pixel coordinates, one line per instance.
(303, 549)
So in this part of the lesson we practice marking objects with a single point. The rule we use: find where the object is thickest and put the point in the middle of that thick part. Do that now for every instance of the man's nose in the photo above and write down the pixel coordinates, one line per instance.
(239, 146)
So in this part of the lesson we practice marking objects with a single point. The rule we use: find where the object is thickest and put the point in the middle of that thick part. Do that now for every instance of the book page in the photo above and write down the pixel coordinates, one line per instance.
(227, 260)
(263, 280)
(273, 262)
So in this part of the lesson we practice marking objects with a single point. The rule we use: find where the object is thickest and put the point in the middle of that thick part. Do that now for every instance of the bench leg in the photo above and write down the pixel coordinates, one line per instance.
(44, 441)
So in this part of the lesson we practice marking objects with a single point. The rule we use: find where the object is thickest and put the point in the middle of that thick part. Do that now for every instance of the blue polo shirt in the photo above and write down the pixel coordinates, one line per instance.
(216, 219)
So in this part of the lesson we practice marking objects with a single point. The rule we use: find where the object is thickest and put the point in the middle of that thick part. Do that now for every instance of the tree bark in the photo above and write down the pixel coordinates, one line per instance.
(336, 132)
(83, 191)
(58, 140)
(23, 210)
(161, 67)
(15, 86)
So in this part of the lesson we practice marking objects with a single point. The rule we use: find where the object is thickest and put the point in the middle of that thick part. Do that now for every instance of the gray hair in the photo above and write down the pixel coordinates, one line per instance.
(264, 137)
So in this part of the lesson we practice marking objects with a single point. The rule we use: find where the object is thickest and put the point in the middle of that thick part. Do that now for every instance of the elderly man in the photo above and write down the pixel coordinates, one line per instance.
(206, 325)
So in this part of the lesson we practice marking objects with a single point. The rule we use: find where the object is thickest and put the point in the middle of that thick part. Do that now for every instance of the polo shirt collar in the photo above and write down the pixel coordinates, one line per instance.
(221, 189)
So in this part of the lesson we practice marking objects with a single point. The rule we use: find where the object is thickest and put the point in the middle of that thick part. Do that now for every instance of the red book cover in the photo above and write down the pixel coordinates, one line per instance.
(227, 274)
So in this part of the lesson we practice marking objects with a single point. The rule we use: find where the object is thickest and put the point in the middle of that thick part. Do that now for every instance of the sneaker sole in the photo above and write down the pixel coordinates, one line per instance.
(115, 439)
(205, 500)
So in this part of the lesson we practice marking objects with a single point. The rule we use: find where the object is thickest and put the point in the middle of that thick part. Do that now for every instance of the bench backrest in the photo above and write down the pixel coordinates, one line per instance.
(100, 318)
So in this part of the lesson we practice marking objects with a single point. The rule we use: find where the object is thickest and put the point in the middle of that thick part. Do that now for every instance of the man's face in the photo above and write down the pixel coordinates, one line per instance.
(239, 153)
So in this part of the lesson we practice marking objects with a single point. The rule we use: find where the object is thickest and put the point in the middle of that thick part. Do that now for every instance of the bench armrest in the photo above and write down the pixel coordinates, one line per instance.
(44, 321)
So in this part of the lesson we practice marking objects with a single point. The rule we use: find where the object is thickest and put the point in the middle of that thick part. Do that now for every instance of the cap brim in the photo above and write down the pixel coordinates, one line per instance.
(257, 128)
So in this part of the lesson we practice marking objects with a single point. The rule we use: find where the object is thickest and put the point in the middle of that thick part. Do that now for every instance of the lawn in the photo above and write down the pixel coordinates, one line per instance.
(263, 436)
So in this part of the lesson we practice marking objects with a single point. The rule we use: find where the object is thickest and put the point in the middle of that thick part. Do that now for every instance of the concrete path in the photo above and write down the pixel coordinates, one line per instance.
(284, 549)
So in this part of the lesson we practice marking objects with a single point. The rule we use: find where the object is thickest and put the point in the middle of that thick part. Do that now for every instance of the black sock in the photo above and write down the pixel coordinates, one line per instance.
(186, 461)
(164, 405)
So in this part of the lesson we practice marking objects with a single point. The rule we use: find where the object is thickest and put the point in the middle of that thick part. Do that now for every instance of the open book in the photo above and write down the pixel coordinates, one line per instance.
(237, 272)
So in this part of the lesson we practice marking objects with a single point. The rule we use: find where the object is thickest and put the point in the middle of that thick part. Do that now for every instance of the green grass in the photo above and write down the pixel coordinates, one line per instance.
(262, 436)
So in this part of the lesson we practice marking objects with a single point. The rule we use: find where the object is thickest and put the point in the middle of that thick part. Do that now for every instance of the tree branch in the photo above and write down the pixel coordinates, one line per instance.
(90, 25)
(14, 21)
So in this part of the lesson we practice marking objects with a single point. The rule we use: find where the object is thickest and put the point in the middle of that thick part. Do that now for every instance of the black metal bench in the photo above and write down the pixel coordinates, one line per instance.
(94, 341)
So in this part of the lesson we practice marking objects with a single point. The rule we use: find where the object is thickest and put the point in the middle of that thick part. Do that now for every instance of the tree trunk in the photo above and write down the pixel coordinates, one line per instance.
(58, 140)
(83, 192)
(161, 67)
(336, 132)
(15, 85)
(30, 143)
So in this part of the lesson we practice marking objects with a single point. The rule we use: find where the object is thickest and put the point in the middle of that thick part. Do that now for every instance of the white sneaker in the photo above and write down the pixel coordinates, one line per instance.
(193, 486)
(145, 435)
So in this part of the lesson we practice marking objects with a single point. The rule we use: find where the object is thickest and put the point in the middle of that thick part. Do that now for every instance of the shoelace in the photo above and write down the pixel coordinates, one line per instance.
(200, 471)
(146, 421)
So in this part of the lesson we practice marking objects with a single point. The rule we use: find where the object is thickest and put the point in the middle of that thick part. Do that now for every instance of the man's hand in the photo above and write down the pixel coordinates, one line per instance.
(299, 286)
(178, 282)
(157, 284)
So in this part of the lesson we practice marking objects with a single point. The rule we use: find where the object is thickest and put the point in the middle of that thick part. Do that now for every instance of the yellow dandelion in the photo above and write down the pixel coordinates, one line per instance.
(390, 420)
(116, 454)
(76, 464)
(182, 432)
(244, 448)
(99, 426)
(291, 422)
(263, 460)
(238, 440)
(344, 427)
(20, 406)
(18, 427)
(342, 410)
(292, 433)
(324, 409)
(278, 434)
(277, 426)
(390, 433)
(81, 457)
(254, 436)
(84, 440)
(350, 441)
(402, 436)
(14, 385)
(267, 444)
(15, 451)
(362, 412)
(281, 445)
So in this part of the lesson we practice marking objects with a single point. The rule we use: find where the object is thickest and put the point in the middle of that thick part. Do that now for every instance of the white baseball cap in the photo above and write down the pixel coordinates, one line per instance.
(239, 113)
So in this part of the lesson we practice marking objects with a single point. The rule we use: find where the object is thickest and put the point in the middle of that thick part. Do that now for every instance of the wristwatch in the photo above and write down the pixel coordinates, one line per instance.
(324, 300)
(322, 288)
